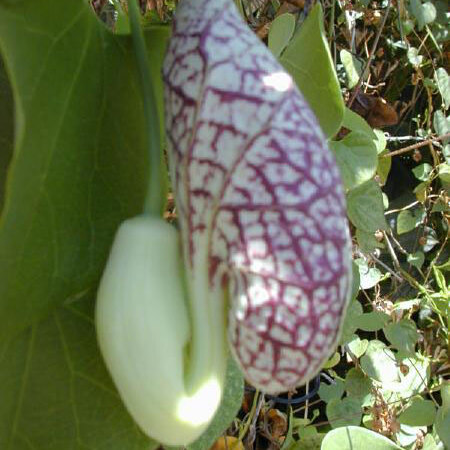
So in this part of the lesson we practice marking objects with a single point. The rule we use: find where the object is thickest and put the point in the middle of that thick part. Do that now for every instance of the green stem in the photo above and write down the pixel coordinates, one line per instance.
(154, 200)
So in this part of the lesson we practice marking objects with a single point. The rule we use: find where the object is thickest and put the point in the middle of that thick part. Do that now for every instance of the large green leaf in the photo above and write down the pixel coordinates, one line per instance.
(356, 438)
(56, 393)
(6, 129)
(79, 164)
(307, 58)
(280, 33)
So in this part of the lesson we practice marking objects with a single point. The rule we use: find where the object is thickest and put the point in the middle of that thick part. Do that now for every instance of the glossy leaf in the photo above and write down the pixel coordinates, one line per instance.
(307, 58)
(79, 161)
(356, 156)
(365, 207)
(356, 438)
(56, 392)
(259, 198)
(280, 33)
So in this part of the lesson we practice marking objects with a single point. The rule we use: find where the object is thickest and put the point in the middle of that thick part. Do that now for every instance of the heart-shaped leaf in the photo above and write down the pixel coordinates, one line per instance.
(79, 159)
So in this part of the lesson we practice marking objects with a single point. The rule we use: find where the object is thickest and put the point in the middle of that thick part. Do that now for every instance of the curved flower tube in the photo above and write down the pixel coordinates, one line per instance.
(263, 233)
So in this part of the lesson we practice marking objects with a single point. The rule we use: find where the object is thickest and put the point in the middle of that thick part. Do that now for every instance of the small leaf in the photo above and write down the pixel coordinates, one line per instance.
(441, 125)
(367, 241)
(402, 335)
(352, 66)
(372, 321)
(444, 173)
(354, 122)
(328, 392)
(333, 361)
(408, 220)
(416, 259)
(368, 276)
(358, 385)
(358, 346)
(344, 412)
(419, 413)
(379, 363)
(413, 57)
(365, 207)
(356, 438)
(423, 171)
(383, 168)
(424, 13)
(443, 82)
(280, 33)
(307, 58)
(356, 156)
(354, 310)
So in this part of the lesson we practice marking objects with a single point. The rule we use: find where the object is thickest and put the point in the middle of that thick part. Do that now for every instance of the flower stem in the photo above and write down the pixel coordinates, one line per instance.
(154, 201)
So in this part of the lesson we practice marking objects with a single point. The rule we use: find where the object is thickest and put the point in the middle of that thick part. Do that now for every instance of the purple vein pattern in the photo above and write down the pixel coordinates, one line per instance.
(259, 196)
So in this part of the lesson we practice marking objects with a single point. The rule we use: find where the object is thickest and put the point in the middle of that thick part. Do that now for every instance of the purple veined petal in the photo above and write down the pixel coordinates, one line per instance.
(258, 193)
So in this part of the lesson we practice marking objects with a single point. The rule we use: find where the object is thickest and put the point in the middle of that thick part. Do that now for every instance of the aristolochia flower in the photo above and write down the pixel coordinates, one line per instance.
(264, 237)
(259, 196)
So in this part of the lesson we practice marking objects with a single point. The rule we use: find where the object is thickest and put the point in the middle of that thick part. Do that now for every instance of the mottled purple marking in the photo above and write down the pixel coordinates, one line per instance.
(258, 195)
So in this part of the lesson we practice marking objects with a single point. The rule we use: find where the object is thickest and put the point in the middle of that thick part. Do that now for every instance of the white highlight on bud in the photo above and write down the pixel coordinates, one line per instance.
(280, 81)
(143, 329)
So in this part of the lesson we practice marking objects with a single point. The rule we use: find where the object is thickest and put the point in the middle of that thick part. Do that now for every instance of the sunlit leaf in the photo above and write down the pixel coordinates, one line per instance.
(307, 58)
(280, 33)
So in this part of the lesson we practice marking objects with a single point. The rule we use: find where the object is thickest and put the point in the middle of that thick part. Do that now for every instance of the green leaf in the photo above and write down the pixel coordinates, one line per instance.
(415, 379)
(356, 156)
(358, 385)
(307, 58)
(344, 412)
(443, 83)
(422, 172)
(79, 165)
(424, 13)
(441, 125)
(228, 409)
(413, 57)
(443, 426)
(354, 122)
(383, 168)
(354, 310)
(352, 67)
(407, 220)
(328, 392)
(356, 438)
(421, 412)
(367, 241)
(56, 392)
(444, 173)
(365, 207)
(416, 259)
(372, 321)
(280, 33)
(368, 276)
(402, 335)
(6, 129)
(379, 363)
(358, 346)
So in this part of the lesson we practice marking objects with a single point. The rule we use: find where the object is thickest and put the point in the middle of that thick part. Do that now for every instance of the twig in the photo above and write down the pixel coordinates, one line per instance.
(418, 145)
(369, 61)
